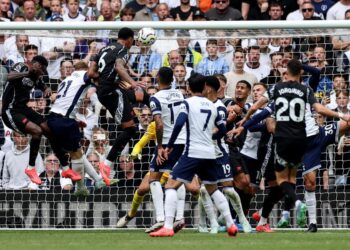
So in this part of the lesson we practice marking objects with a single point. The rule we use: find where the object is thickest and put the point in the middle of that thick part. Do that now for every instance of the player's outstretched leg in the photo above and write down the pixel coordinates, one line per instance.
(123, 138)
(180, 210)
(137, 199)
(222, 205)
(209, 211)
(36, 132)
(271, 199)
(235, 201)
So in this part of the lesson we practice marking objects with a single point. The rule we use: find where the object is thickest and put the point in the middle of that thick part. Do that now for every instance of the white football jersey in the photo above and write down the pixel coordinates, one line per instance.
(70, 93)
(167, 104)
(311, 126)
(221, 147)
(202, 119)
(251, 143)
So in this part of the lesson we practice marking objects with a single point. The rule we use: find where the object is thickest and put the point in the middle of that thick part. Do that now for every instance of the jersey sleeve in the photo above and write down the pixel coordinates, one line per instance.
(184, 107)
(20, 67)
(222, 113)
(151, 130)
(156, 108)
(269, 94)
(218, 120)
(124, 55)
(311, 96)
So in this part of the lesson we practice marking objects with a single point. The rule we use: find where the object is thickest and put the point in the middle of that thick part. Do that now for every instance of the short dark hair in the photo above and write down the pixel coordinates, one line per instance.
(249, 86)
(212, 41)
(294, 67)
(30, 47)
(127, 11)
(66, 59)
(165, 75)
(276, 53)
(40, 59)
(196, 83)
(221, 77)
(125, 33)
(253, 47)
(213, 82)
(260, 84)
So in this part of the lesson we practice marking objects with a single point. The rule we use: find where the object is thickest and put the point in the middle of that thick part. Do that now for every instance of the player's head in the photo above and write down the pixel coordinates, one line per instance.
(294, 68)
(165, 76)
(196, 83)
(243, 89)
(81, 66)
(212, 85)
(212, 82)
(126, 35)
(259, 89)
(39, 65)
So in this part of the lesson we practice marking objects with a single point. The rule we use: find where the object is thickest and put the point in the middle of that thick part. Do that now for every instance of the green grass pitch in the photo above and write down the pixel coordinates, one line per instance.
(138, 240)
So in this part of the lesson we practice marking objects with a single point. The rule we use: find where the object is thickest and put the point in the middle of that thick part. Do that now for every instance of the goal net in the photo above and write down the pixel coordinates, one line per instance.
(266, 49)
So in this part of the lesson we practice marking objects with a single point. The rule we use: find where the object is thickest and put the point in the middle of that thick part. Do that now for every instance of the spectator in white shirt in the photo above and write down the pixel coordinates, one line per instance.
(16, 161)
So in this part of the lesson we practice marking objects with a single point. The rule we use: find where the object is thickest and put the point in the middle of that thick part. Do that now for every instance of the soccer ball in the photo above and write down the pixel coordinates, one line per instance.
(146, 36)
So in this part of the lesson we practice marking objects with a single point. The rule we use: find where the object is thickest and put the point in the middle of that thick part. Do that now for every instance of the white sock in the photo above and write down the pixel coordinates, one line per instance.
(157, 197)
(30, 167)
(170, 207)
(202, 215)
(78, 166)
(208, 207)
(108, 163)
(90, 170)
(310, 198)
(181, 195)
(262, 221)
(65, 168)
(297, 204)
(222, 205)
(285, 214)
(233, 196)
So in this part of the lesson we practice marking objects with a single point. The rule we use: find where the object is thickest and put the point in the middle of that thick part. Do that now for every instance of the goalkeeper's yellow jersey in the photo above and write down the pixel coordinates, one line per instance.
(149, 135)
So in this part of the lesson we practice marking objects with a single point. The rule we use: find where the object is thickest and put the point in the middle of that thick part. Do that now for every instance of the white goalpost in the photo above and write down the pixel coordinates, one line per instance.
(46, 208)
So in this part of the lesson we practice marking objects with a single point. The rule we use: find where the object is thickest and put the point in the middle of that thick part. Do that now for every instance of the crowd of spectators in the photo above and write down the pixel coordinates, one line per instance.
(207, 52)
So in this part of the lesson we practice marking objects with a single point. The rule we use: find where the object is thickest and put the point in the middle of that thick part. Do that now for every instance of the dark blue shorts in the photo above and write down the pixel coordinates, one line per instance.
(224, 172)
(168, 165)
(317, 144)
(187, 167)
(66, 132)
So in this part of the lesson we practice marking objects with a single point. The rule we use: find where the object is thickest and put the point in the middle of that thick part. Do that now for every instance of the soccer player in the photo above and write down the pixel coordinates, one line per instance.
(64, 123)
(318, 139)
(221, 149)
(144, 187)
(201, 117)
(17, 116)
(109, 69)
(165, 106)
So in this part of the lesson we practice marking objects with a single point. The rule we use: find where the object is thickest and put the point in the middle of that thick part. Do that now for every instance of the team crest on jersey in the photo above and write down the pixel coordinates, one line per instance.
(324, 7)
(27, 82)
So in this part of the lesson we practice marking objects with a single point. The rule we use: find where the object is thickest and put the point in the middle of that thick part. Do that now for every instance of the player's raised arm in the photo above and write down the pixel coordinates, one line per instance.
(221, 125)
(259, 104)
(123, 73)
(93, 70)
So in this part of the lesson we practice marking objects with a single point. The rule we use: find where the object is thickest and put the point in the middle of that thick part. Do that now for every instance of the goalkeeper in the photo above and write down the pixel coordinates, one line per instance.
(144, 187)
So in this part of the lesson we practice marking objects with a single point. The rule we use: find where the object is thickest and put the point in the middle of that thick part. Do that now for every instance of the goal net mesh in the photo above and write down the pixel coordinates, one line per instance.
(53, 205)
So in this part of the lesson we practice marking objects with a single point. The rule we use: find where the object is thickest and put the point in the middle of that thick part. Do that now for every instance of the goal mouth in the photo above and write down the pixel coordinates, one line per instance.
(314, 43)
